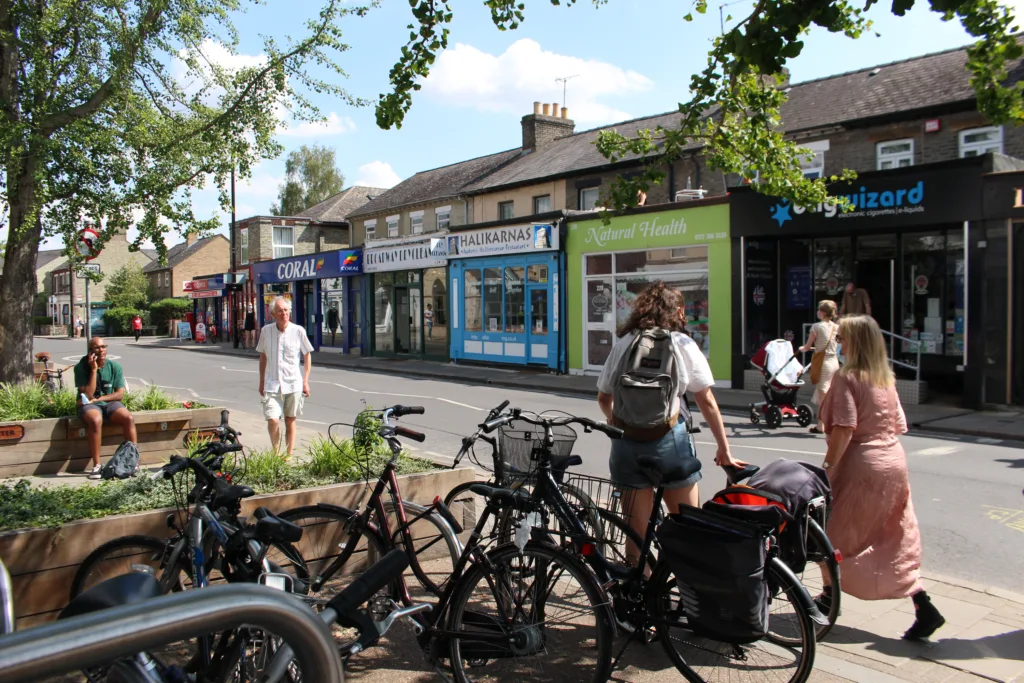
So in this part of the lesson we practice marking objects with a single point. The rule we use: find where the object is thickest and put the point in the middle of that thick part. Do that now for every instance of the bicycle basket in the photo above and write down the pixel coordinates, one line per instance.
(518, 442)
(594, 494)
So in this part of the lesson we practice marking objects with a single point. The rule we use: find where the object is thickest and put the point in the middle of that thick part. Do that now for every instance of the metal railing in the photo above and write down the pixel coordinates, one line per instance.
(891, 343)
(92, 639)
(6, 601)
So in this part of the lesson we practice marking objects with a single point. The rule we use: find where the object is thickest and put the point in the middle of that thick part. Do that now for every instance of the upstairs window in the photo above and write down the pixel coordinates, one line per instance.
(371, 228)
(978, 141)
(813, 161)
(895, 154)
(444, 217)
(416, 217)
(284, 241)
(542, 204)
(589, 197)
(244, 246)
(506, 210)
(393, 226)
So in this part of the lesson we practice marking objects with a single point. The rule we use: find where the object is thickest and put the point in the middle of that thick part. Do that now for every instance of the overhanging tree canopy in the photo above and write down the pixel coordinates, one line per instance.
(733, 107)
(117, 110)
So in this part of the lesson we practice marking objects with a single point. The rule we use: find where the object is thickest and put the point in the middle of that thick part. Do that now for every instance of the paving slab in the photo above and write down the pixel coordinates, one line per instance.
(987, 649)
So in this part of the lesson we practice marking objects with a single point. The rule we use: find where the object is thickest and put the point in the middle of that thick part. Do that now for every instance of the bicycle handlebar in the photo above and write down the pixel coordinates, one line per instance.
(402, 411)
(410, 434)
(517, 414)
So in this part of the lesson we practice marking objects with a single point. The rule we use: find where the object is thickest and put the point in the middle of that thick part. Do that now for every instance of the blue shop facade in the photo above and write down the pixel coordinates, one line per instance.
(326, 294)
(507, 295)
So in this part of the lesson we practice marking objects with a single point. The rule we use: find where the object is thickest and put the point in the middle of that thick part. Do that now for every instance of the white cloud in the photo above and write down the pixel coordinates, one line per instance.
(334, 125)
(377, 174)
(524, 73)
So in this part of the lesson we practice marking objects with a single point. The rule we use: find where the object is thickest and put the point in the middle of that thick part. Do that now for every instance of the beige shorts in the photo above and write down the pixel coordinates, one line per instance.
(276, 406)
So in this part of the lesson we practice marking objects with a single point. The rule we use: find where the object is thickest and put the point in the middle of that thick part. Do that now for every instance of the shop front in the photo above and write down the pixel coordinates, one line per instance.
(905, 242)
(209, 304)
(408, 282)
(326, 296)
(505, 295)
(609, 265)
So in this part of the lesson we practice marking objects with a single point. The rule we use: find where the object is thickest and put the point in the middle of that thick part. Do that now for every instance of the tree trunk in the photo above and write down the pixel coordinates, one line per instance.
(18, 282)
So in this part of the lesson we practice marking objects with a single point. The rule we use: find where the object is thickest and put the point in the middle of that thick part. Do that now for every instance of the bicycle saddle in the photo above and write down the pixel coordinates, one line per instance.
(232, 492)
(737, 474)
(500, 496)
(272, 529)
(560, 463)
(126, 589)
(43, 356)
(670, 472)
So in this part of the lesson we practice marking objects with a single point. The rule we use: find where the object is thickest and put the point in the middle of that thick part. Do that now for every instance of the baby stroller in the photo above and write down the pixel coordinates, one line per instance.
(781, 371)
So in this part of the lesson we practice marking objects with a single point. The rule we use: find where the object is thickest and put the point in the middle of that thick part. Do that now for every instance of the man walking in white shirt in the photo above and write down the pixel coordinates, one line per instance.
(282, 347)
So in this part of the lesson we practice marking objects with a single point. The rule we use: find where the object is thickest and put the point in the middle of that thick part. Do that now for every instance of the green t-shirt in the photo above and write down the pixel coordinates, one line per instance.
(110, 377)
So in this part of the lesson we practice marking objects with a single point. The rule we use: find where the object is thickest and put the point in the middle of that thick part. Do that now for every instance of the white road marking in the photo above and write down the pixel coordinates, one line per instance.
(989, 441)
(255, 372)
(388, 393)
(736, 444)
(439, 455)
(936, 450)
(217, 400)
(313, 422)
(140, 379)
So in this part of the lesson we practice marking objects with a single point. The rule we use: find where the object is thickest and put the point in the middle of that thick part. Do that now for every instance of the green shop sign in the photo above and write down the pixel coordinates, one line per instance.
(682, 227)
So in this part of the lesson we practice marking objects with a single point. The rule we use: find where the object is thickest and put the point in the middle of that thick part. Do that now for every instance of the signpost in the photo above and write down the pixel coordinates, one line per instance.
(87, 244)
(93, 268)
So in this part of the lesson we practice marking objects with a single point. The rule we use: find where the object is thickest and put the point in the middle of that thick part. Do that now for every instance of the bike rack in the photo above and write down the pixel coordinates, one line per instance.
(100, 637)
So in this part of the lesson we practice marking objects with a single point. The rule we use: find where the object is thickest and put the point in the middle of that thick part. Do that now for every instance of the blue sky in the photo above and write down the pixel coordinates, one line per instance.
(630, 57)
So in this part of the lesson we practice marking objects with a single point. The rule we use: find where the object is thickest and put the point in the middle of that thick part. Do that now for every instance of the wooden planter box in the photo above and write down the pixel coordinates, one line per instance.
(59, 444)
(42, 562)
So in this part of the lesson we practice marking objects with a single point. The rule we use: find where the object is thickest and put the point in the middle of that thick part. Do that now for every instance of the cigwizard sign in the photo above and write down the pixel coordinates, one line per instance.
(906, 197)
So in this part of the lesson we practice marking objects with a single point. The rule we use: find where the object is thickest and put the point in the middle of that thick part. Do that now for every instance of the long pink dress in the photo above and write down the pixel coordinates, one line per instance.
(873, 522)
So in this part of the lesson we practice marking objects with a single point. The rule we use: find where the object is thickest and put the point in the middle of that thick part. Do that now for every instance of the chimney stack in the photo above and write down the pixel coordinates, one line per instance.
(190, 239)
(547, 123)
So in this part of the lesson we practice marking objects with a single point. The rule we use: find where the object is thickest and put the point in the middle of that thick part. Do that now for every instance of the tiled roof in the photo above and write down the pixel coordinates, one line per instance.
(45, 257)
(337, 208)
(925, 82)
(178, 253)
(438, 183)
(929, 81)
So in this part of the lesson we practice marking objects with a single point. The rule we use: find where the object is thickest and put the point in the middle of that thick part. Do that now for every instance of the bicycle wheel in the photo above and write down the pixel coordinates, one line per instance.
(544, 616)
(435, 547)
(584, 509)
(701, 659)
(822, 569)
(325, 532)
(121, 556)
(467, 506)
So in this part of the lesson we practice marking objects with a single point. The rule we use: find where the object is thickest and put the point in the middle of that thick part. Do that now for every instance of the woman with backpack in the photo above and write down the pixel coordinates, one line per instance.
(654, 358)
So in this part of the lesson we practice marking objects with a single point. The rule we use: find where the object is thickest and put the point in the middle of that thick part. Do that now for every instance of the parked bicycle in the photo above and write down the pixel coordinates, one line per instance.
(647, 597)
(52, 377)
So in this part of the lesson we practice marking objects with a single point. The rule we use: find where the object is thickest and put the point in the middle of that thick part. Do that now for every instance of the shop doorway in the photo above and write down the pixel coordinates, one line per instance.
(307, 294)
(403, 320)
(1017, 310)
(875, 272)
(355, 323)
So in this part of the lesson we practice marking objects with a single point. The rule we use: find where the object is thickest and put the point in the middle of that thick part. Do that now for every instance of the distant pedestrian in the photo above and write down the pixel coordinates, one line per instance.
(282, 347)
(250, 327)
(428, 316)
(873, 519)
(822, 340)
(137, 328)
(79, 326)
(855, 301)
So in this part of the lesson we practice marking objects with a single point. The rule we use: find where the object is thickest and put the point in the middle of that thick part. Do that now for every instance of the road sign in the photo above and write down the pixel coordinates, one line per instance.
(93, 268)
(87, 243)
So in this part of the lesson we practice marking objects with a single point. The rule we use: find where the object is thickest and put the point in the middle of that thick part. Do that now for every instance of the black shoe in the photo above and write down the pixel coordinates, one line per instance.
(823, 600)
(928, 621)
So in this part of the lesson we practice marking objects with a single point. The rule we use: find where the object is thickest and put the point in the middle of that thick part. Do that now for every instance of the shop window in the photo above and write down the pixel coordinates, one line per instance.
(599, 264)
(924, 300)
(384, 314)
(589, 197)
(978, 141)
(515, 301)
(284, 241)
(662, 260)
(417, 222)
(444, 217)
(371, 229)
(244, 246)
(895, 154)
(435, 300)
(392, 226)
(474, 311)
(832, 257)
(539, 312)
(542, 204)
(506, 210)
(537, 274)
(493, 299)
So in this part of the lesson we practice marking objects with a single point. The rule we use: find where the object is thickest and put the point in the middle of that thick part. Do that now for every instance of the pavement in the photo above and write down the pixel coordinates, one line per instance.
(967, 494)
(995, 424)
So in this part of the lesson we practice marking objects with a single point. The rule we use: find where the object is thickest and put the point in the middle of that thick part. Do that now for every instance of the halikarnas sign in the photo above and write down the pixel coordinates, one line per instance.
(505, 240)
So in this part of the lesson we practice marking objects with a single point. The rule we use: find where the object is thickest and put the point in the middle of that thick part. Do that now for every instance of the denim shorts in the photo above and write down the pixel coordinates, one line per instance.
(670, 449)
(107, 409)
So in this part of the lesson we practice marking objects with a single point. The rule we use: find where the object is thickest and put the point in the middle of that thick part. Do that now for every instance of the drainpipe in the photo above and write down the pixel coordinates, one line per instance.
(671, 182)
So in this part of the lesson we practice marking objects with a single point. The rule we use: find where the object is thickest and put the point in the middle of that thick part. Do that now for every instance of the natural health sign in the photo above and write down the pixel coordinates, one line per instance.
(512, 239)
(409, 256)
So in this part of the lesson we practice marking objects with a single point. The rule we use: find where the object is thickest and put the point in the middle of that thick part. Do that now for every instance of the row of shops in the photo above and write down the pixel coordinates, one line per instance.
(936, 247)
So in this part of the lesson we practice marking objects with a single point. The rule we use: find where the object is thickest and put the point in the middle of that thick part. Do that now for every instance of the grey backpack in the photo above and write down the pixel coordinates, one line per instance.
(647, 381)
(124, 463)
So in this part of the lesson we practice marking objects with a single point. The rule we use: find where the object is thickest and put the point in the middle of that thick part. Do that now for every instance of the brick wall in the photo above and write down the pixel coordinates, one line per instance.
(539, 130)
(308, 238)
(456, 217)
(156, 280)
(214, 257)
(114, 256)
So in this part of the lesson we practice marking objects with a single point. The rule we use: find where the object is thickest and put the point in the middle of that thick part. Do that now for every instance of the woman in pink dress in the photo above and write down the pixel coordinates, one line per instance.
(873, 522)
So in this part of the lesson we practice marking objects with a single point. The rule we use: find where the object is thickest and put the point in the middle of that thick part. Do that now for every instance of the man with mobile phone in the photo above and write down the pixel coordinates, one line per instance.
(100, 385)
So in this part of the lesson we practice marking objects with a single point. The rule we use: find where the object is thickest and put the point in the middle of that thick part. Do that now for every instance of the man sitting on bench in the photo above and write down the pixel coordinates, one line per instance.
(100, 383)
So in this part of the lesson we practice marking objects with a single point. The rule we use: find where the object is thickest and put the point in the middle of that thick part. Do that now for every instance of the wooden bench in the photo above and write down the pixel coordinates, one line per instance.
(59, 444)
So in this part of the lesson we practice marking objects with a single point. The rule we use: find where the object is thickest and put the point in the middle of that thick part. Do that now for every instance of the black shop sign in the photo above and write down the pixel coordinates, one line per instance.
(904, 198)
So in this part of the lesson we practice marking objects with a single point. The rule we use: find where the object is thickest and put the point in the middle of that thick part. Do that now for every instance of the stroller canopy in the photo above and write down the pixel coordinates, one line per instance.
(776, 359)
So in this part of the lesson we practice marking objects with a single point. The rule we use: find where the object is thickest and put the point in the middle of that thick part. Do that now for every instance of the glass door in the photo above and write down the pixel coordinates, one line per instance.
(403, 327)
(332, 307)
(600, 321)
(538, 334)
(355, 324)
(876, 273)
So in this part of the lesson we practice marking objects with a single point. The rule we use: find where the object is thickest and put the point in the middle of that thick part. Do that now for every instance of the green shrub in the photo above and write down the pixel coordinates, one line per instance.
(21, 402)
(42, 320)
(149, 398)
(121, 319)
(31, 402)
(165, 310)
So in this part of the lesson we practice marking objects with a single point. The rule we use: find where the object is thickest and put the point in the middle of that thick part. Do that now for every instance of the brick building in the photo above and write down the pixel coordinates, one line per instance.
(187, 260)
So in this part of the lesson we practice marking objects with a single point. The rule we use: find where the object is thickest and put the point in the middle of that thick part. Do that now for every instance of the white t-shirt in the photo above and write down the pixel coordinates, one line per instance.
(693, 373)
(284, 351)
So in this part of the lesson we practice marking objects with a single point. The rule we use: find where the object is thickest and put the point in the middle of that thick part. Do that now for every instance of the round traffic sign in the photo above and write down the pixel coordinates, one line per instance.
(87, 243)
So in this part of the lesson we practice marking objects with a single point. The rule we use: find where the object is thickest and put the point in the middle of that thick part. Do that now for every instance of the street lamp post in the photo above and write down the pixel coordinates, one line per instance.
(233, 290)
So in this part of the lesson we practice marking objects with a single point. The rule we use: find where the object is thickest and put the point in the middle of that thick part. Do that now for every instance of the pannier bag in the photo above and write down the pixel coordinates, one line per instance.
(719, 564)
(796, 484)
